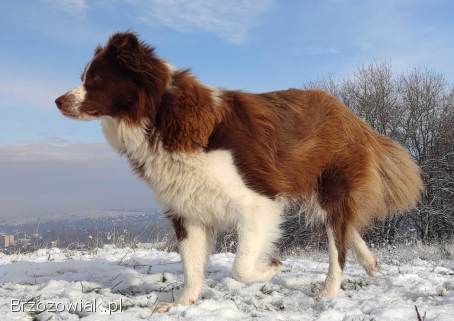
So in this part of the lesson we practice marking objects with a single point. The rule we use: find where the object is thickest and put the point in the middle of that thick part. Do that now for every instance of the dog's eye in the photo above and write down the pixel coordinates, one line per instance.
(93, 81)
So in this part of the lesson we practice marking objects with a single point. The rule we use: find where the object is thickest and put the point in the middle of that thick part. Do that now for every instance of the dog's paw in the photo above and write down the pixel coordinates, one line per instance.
(262, 273)
(371, 267)
(330, 289)
(275, 262)
(187, 299)
(327, 293)
(163, 307)
(274, 268)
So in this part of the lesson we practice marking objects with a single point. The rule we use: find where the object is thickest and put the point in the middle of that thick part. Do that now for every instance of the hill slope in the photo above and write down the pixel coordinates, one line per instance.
(140, 277)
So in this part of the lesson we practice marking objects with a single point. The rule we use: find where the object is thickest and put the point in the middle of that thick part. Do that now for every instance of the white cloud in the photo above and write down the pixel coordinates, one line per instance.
(73, 7)
(230, 20)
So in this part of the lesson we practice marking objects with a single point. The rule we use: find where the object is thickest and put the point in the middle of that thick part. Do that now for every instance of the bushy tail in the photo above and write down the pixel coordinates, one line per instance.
(399, 174)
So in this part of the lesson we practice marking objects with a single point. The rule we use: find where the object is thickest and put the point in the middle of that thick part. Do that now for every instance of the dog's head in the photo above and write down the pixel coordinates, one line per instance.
(125, 79)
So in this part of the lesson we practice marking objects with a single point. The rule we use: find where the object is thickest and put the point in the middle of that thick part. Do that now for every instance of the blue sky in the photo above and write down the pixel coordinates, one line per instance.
(255, 45)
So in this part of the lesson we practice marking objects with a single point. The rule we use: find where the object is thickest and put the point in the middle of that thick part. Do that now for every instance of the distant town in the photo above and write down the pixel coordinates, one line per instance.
(83, 232)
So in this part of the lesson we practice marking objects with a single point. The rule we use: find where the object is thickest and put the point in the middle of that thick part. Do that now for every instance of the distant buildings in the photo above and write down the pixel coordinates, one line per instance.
(7, 240)
(82, 232)
(24, 242)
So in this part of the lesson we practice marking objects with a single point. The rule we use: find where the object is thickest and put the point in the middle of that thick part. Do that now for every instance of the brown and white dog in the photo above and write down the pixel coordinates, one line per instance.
(217, 157)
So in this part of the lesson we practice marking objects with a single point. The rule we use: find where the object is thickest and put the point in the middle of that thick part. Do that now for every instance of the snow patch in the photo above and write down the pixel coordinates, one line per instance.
(141, 277)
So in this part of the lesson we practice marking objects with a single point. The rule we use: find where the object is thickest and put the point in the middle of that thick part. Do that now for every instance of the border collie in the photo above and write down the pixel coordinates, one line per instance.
(216, 158)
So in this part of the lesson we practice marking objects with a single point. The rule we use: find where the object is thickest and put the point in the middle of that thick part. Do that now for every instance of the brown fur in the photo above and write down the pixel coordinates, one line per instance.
(187, 115)
(299, 143)
(275, 262)
(178, 225)
(125, 80)
(302, 144)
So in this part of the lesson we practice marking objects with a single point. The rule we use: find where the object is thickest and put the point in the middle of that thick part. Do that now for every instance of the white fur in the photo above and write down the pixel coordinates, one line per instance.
(171, 68)
(315, 214)
(194, 252)
(207, 190)
(77, 96)
(310, 208)
(216, 94)
(362, 252)
(334, 277)
(258, 229)
(86, 71)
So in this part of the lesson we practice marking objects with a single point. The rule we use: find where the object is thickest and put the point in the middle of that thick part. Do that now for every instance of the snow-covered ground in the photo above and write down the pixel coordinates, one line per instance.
(143, 276)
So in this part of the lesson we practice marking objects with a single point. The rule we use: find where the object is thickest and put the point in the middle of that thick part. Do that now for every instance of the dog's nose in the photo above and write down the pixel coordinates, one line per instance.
(59, 101)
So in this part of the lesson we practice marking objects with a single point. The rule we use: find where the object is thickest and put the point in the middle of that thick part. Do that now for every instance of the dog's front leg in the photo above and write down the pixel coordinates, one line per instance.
(194, 250)
(194, 241)
(258, 229)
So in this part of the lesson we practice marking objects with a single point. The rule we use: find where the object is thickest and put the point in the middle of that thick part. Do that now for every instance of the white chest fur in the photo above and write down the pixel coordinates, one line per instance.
(206, 186)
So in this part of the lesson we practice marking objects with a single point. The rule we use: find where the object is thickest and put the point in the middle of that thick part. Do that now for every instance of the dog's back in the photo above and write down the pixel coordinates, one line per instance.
(301, 143)
(215, 157)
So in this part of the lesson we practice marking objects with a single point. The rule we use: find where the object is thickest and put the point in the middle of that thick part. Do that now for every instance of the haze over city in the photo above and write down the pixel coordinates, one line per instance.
(50, 165)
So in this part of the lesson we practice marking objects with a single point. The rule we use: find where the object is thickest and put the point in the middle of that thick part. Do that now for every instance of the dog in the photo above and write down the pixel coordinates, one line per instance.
(216, 158)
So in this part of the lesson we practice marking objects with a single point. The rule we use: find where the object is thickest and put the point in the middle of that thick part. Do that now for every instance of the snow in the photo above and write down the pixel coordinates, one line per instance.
(142, 276)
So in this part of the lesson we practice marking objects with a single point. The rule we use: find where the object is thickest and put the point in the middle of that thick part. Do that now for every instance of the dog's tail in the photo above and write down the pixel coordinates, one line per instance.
(400, 176)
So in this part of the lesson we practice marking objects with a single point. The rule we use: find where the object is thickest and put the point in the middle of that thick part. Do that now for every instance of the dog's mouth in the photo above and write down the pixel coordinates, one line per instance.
(65, 105)
(79, 116)
(90, 115)
(68, 114)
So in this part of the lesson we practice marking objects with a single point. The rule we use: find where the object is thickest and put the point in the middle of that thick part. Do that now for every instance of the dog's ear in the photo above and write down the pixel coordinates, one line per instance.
(139, 60)
(98, 49)
(124, 42)
(127, 50)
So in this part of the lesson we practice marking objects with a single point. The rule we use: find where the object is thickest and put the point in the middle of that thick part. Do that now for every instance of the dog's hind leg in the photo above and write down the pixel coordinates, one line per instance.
(338, 237)
(336, 264)
(362, 252)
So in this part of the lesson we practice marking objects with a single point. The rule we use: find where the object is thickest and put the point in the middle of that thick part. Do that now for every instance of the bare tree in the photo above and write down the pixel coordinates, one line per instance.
(417, 110)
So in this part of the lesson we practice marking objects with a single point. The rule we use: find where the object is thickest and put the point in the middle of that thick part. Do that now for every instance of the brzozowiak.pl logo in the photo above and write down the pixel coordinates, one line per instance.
(87, 306)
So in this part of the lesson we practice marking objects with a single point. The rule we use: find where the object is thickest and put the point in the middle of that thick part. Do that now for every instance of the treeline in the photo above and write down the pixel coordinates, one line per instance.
(417, 110)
